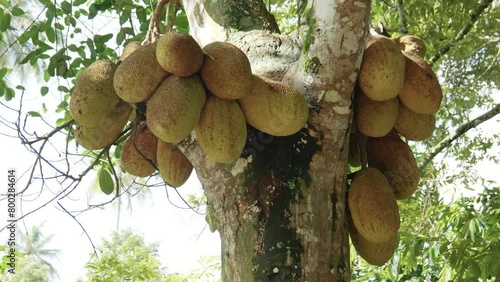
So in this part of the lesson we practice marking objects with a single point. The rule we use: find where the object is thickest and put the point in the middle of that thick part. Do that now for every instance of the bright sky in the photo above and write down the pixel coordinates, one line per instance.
(181, 233)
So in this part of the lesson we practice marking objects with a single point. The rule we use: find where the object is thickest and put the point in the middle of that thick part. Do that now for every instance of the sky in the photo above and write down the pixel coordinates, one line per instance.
(182, 234)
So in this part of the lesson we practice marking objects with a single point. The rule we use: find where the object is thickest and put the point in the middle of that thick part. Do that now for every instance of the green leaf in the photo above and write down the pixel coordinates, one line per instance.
(16, 11)
(106, 182)
(3, 72)
(78, 2)
(9, 94)
(5, 3)
(102, 38)
(5, 22)
(66, 6)
(63, 88)
(34, 114)
(44, 90)
(50, 33)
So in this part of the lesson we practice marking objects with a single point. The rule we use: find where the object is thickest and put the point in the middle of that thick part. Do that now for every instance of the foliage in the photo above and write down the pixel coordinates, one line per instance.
(125, 256)
(208, 270)
(444, 242)
(29, 269)
(34, 243)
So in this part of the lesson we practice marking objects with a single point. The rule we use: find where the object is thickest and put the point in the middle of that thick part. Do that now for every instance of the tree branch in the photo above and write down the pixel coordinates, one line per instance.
(461, 130)
(402, 17)
(474, 17)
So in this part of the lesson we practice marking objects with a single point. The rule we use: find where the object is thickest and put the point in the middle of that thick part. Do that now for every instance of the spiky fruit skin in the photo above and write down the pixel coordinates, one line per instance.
(412, 44)
(373, 253)
(138, 76)
(421, 91)
(173, 165)
(373, 206)
(394, 158)
(179, 54)
(226, 71)
(129, 48)
(381, 74)
(414, 126)
(105, 131)
(175, 108)
(375, 118)
(94, 96)
(222, 130)
(274, 107)
(139, 153)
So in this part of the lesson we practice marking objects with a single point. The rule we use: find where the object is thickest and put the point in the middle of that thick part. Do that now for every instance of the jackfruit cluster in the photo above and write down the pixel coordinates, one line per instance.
(171, 88)
(396, 98)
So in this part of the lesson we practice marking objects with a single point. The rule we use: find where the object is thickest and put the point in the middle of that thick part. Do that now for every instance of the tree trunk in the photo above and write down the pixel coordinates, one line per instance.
(281, 208)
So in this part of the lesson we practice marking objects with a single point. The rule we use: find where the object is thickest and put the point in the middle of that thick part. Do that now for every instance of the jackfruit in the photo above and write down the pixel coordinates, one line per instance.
(274, 107)
(222, 130)
(174, 109)
(226, 71)
(138, 76)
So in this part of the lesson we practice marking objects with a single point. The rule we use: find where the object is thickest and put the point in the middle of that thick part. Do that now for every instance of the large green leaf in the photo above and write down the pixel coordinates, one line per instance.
(105, 181)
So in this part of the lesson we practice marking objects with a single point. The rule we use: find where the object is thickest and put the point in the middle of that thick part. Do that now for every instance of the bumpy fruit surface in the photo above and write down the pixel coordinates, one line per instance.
(274, 107)
(129, 48)
(414, 126)
(394, 158)
(222, 130)
(421, 91)
(373, 206)
(105, 131)
(138, 76)
(373, 253)
(139, 154)
(174, 109)
(94, 97)
(375, 118)
(381, 74)
(179, 54)
(226, 71)
(412, 44)
(173, 165)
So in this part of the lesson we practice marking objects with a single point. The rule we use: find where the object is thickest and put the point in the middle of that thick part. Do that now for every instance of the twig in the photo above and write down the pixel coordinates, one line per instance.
(50, 134)
(154, 29)
(463, 32)
(81, 226)
(402, 17)
(461, 130)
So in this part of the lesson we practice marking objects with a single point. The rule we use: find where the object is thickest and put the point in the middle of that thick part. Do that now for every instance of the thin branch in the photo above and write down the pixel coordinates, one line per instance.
(461, 130)
(81, 226)
(402, 17)
(48, 135)
(474, 17)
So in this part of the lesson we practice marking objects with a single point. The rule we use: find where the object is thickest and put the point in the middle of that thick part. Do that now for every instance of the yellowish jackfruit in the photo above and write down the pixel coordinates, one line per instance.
(174, 109)
(274, 107)
(373, 206)
(226, 71)
(222, 130)
(138, 76)
(173, 165)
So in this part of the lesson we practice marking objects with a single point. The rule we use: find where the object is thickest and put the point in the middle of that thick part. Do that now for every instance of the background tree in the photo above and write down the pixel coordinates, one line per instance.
(28, 269)
(281, 214)
(34, 244)
(125, 256)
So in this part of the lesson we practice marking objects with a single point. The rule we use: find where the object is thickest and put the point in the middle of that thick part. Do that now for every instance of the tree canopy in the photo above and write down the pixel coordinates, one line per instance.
(50, 43)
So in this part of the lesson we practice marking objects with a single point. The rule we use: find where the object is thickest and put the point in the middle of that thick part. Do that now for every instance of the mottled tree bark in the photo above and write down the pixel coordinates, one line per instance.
(281, 208)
